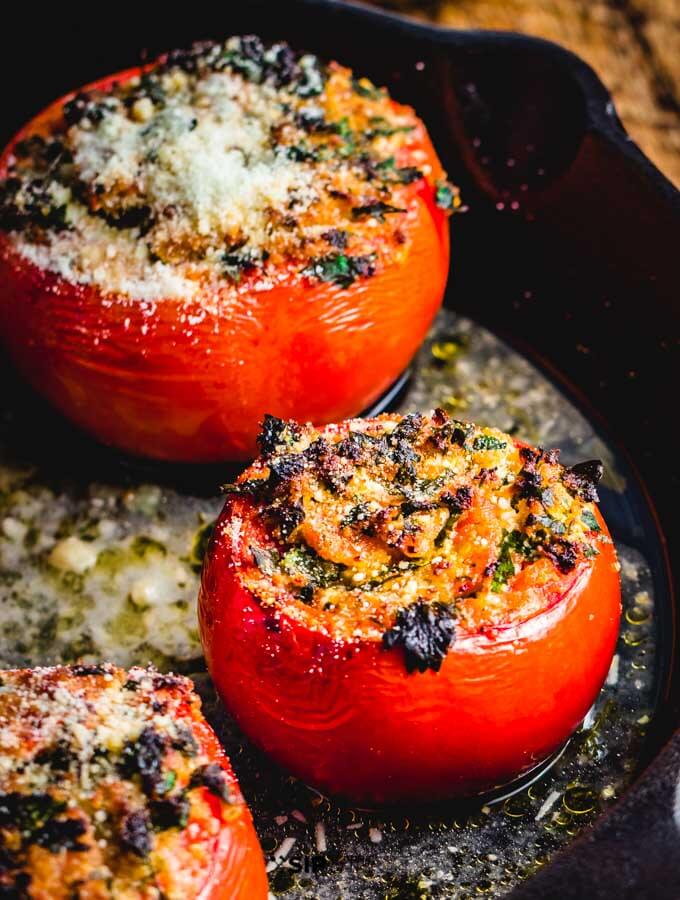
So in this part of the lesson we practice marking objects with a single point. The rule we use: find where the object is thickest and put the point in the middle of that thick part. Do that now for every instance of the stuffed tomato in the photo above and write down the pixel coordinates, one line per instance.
(232, 229)
(409, 608)
(113, 785)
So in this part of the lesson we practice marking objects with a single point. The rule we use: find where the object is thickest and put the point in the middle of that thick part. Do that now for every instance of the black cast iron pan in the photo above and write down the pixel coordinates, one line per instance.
(568, 251)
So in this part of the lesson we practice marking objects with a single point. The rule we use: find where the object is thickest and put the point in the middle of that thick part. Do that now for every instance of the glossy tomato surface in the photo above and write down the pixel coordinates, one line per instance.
(157, 814)
(190, 380)
(236, 868)
(347, 717)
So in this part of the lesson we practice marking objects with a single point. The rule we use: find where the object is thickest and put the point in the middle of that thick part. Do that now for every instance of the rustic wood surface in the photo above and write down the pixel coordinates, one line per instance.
(633, 45)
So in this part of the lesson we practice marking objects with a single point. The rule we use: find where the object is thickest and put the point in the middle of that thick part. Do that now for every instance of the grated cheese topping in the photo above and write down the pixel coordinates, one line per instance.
(216, 166)
(398, 526)
(102, 771)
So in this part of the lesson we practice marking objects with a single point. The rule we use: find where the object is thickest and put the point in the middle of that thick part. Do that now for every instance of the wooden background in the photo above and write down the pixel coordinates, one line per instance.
(633, 45)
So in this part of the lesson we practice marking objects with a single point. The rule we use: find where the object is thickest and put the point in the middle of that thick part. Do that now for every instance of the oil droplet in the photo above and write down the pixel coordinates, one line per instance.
(446, 350)
(579, 799)
(477, 820)
(633, 639)
(452, 404)
(561, 818)
(484, 887)
(637, 615)
(516, 807)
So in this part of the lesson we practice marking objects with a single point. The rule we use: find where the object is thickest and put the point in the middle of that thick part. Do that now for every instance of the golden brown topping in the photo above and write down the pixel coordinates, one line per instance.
(218, 164)
(369, 528)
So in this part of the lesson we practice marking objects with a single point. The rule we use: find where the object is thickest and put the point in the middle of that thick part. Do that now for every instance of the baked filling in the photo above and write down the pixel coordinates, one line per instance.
(101, 783)
(412, 527)
(219, 165)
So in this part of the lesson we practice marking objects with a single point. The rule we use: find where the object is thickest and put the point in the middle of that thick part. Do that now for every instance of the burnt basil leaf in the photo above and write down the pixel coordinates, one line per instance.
(135, 833)
(425, 632)
(27, 812)
(212, 777)
(563, 554)
(61, 834)
(582, 479)
(276, 432)
(377, 210)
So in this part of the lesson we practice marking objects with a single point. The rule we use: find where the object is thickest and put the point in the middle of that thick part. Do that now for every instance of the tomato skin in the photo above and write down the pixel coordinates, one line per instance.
(175, 381)
(237, 869)
(349, 720)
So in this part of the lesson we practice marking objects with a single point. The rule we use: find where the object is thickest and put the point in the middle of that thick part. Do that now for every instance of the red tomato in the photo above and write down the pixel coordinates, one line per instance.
(347, 718)
(212, 854)
(137, 376)
(236, 870)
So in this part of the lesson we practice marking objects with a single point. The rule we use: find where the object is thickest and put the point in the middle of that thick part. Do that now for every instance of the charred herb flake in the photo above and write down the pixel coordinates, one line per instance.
(135, 833)
(377, 210)
(582, 479)
(61, 834)
(276, 433)
(213, 778)
(424, 632)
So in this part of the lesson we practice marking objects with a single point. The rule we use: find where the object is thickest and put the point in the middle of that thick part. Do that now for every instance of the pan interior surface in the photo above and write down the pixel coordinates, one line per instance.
(97, 561)
(100, 554)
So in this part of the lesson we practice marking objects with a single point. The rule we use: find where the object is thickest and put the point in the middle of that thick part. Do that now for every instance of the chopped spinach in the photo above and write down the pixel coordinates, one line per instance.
(319, 572)
(549, 523)
(445, 196)
(504, 568)
(340, 268)
(488, 442)
(589, 520)
(381, 127)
